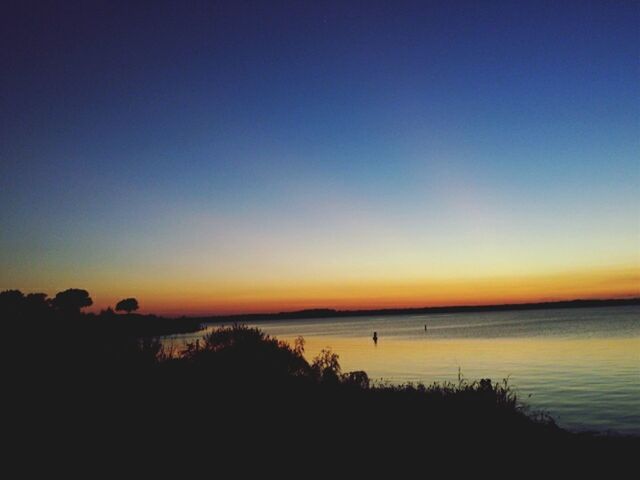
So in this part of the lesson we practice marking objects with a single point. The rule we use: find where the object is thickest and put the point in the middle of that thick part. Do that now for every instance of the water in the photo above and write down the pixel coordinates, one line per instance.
(580, 365)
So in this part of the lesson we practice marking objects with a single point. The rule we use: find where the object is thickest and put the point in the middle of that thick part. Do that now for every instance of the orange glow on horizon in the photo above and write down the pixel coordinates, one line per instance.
(231, 298)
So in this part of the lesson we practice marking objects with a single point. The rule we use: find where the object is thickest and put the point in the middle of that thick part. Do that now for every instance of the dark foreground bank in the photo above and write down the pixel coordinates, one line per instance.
(239, 389)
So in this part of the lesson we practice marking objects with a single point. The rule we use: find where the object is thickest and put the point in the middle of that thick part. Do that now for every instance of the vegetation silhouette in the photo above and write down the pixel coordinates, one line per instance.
(110, 376)
(127, 305)
(71, 301)
(38, 314)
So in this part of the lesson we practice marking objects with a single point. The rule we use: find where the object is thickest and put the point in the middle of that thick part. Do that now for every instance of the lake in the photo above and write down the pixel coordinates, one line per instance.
(580, 365)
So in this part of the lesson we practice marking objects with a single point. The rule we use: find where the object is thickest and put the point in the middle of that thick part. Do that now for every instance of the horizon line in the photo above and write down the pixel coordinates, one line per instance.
(391, 310)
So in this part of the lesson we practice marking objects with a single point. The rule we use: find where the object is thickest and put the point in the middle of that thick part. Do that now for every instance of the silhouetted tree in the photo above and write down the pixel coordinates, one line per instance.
(37, 298)
(127, 305)
(37, 305)
(72, 300)
(12, 303)
(327, 366)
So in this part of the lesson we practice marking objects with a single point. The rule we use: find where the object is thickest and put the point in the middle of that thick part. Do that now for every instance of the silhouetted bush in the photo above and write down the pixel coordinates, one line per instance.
(326, 366)
(12, 304)
(115, 369)
(127, 305)
(72, 300)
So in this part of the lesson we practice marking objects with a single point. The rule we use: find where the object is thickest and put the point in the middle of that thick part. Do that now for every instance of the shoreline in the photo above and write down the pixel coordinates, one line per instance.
(335, 313)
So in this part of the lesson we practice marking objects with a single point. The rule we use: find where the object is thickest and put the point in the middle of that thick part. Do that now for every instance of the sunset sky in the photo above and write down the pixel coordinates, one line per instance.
(213, 157)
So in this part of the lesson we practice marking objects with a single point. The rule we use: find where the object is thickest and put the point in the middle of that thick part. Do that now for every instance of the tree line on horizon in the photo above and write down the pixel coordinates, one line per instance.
(38, 315)
(67, 302)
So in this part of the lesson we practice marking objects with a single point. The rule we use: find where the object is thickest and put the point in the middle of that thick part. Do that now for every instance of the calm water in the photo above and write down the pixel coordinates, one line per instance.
(580, 365)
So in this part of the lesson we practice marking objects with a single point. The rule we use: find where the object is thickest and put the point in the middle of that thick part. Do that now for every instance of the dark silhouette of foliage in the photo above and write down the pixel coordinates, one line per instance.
(326, 365)
(357, 379)
(71, 301)
(12, 303)
(115, 373)
(127, 305)
(107, 312)
(247, 352)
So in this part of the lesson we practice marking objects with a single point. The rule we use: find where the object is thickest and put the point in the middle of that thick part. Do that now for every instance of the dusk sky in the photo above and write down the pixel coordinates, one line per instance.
(210, 157)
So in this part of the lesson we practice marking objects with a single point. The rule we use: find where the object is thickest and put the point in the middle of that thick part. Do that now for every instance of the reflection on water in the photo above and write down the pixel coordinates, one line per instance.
(580, 365)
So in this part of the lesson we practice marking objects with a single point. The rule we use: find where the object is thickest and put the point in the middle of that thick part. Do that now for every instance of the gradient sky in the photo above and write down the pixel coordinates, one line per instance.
(256, 156)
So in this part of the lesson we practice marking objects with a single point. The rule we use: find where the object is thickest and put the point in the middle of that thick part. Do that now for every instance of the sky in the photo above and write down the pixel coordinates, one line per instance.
(219, 157)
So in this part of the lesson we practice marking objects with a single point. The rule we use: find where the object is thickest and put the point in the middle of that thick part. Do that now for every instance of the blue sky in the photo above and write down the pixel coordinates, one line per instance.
(168, 135)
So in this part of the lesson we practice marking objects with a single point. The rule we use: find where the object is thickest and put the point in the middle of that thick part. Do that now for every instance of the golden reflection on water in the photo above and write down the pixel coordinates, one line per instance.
(582, 367)
(584, 383)
(430, 360)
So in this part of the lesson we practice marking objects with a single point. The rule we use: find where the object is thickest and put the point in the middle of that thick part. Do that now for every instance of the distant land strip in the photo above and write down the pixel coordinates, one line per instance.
(332, 313)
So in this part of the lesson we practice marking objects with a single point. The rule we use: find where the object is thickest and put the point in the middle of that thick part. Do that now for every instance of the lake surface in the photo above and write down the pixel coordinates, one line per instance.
(580, 365)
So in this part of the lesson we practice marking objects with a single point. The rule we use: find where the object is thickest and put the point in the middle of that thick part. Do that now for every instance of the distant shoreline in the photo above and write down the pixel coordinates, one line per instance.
(332, 313)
